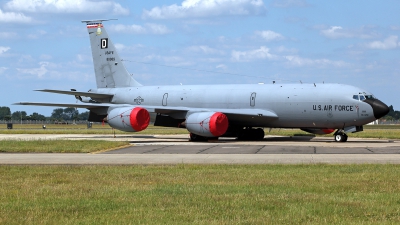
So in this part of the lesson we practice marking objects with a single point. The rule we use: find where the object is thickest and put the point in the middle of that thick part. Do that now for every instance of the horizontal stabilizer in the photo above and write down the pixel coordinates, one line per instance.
(79, 93)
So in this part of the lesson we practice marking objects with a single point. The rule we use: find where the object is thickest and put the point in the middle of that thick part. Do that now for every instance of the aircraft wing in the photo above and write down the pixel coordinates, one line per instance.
(246, 117)
(80, 93)
(243, 112)
(73, 105)
(249, 117)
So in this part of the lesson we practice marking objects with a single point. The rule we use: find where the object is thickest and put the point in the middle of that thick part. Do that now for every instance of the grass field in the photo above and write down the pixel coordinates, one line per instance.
(194, 194)
(82, 129)
(58, 146)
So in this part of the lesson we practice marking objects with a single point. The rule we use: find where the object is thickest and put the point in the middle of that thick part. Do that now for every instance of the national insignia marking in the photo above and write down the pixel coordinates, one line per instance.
(138, 100)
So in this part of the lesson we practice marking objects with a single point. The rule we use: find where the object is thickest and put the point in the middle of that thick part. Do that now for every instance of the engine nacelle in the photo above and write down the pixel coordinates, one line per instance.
(128, 119)
(207, 124)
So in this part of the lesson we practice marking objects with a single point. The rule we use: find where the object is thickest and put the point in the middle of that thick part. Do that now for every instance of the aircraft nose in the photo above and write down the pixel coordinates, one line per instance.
(380, 108)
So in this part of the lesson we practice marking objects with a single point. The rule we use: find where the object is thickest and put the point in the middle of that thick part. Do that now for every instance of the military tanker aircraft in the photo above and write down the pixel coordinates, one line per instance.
(212, 111)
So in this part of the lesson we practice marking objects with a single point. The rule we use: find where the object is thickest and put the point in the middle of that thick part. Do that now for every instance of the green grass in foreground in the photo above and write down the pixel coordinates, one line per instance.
(200, 194)
(58, 146)
(82, 129)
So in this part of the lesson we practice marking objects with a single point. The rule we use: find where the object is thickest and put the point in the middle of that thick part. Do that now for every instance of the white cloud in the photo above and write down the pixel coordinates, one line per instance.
(37, 34)
(12, 17)
(3, 49)
(157, 28)
(290, 3)
(45, 57)
(389, 43)
(135, 29)
(83, 58)
(206, 8)
(66, 6)
(221, 66)
(8, 35)
(204, 49)
(148, 28)
(121, 47)
(283, 49)
(395, 27)
(336, 32)
(269, 35)
(39, 72)
(2, 69)
(261, 53)
(299, 61)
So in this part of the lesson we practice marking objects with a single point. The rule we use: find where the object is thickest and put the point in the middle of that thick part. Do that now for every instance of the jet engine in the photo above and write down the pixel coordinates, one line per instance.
(207, 124)
(128, 119)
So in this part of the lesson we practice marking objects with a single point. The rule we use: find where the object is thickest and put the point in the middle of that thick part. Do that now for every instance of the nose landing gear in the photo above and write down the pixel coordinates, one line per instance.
(340, 136)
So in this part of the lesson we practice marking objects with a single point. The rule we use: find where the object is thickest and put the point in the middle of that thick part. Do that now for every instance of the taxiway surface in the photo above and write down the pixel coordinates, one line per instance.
(175, 149)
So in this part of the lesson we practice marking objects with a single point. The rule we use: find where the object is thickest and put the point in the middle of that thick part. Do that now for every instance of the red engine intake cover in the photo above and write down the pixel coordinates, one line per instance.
(218, 124)
(139, 119)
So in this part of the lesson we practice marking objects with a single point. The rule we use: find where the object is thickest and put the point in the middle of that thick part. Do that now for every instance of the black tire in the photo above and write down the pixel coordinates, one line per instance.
(259, 134)
(197, 138)
(340, 137)
(251, 134)
(344, 138)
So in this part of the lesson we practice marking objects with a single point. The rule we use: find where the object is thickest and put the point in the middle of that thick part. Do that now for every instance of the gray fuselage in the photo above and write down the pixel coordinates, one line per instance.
(297, 105)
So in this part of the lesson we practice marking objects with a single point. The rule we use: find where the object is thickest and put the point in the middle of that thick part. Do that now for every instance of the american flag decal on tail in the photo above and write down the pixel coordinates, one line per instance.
(94, 25)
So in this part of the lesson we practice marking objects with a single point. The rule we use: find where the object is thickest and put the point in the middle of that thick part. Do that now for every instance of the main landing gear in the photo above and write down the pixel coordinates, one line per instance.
(250, 134)
(198, 138)
(340, 136)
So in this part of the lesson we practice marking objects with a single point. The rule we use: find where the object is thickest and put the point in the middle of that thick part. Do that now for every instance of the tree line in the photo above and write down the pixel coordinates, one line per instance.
(392, 115)
(60, 114)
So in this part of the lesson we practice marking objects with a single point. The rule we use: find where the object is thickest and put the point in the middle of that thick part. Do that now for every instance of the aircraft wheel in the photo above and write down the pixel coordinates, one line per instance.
(340, 137)
(259, 134)
(251, 134)
(197, 138)
(344, 139)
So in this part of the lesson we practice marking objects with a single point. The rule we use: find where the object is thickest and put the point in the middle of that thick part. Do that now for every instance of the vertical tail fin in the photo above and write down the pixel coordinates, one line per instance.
(109, 70)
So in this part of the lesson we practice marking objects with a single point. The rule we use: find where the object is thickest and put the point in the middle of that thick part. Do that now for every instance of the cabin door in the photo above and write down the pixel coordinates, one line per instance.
(253, 99)
(164, 100)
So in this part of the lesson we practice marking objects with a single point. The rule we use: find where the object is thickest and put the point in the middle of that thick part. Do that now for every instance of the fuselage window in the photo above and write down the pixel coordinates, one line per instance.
(355, 97)
(362, 98)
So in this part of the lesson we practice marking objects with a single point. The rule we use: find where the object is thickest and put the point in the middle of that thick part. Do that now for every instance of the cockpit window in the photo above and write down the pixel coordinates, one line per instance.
(362, 96)
(369, 97)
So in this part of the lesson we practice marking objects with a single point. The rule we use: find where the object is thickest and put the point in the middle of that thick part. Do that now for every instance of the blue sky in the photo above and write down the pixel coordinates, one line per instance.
(43, 44)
